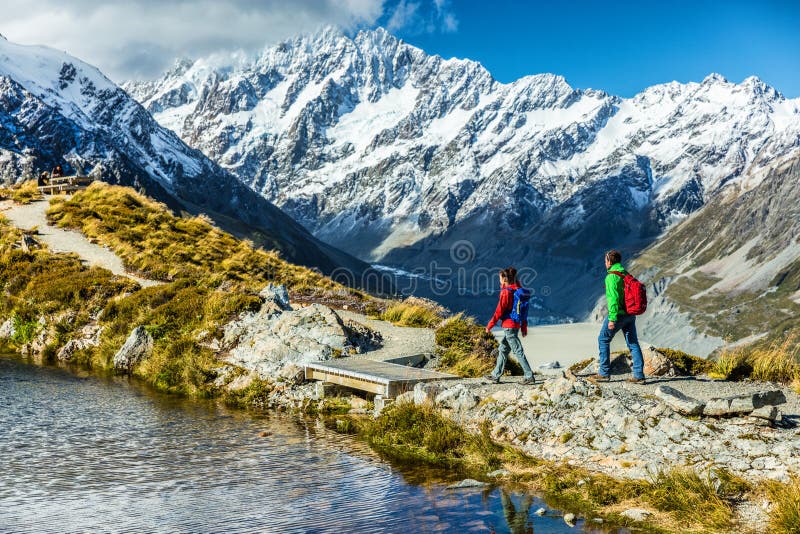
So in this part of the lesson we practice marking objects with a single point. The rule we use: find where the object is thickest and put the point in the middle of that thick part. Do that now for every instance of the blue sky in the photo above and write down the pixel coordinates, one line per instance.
(619, 47)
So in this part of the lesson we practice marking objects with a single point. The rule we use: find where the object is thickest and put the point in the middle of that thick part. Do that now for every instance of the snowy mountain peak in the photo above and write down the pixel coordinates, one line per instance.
(392, 153)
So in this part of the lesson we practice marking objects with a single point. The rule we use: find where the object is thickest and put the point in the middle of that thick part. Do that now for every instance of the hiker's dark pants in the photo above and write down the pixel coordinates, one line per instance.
(510, 343)
(626, 323)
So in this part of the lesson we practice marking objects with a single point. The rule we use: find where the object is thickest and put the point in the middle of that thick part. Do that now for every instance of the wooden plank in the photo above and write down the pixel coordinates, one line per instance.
(350, 382)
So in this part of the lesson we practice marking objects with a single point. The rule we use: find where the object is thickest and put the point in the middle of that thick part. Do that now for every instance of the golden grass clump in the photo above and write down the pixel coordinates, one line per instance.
(784, 516)
(772, 362)
(416, 312)
(466, 349)
(25, 193)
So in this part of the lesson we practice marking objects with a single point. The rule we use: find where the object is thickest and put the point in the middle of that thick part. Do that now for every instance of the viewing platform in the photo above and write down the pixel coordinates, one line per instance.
(65, 184)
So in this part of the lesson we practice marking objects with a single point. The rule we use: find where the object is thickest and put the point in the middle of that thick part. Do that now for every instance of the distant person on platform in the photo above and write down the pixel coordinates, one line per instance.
(512, 310)
(58, 172)
(44, 178)
(618, 319)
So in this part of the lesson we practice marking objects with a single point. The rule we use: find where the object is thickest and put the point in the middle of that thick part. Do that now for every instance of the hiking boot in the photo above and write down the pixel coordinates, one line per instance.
(492, 379)
(594, 379)
(633, 380)
(528, 381)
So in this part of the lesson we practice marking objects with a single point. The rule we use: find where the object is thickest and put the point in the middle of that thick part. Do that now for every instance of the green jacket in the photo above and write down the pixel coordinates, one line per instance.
(615, 292)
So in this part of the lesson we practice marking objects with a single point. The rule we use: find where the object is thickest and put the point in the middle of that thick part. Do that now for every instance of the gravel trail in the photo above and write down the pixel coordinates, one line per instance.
(32, 215)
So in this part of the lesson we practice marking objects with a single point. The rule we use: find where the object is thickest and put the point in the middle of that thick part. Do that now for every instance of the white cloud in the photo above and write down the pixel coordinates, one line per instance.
(422, 16)
(141, 38)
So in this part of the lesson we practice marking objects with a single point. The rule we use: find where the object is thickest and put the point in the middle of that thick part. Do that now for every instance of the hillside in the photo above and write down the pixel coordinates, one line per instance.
(58, 110)
(731, 271)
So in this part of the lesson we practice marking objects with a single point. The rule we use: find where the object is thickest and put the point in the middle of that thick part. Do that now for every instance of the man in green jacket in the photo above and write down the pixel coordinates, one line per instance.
(617, 320)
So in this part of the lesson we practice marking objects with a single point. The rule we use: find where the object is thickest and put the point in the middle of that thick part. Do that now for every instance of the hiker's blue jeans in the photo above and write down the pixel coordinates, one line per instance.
(626, 323)
(510, 343)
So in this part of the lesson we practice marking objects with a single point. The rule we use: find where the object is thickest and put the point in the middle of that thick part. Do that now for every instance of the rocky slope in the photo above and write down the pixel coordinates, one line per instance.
(731, 271)
(56, 109)
(406, 158)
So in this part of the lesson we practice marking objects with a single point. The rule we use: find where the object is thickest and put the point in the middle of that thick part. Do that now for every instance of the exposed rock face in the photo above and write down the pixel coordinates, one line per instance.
(89, 336)
(277, 339)
(136, 348)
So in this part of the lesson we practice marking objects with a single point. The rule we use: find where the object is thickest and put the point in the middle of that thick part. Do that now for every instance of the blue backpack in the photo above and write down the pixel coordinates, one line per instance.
(519, 309)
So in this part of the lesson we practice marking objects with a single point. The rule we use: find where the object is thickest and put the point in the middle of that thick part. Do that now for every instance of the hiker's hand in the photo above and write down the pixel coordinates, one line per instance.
(611, 325)
(488, 330)
(524, 333)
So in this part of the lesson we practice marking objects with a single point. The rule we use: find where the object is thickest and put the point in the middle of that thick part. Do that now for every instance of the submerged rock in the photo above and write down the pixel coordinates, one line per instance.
(468, 483)
(636, 514)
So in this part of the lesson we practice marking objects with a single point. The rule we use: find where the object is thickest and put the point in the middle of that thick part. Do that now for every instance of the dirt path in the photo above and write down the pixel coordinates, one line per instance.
(57, 239)
(398, 341)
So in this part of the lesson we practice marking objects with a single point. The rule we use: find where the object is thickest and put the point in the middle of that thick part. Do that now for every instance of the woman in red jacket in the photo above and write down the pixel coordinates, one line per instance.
(510, 341)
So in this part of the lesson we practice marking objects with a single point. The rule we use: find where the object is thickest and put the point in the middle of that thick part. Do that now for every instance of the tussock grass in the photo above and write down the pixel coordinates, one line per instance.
(681, 499)
(687, 364)
(784, 516)
(778, 361)
(157, 244)
(691, 499)
(772, 362)
(466, 349)
(414, 312)
(23, 193)
(416, 433)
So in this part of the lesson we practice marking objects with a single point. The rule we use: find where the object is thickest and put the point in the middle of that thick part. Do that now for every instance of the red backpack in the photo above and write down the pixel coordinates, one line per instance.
(635, 294)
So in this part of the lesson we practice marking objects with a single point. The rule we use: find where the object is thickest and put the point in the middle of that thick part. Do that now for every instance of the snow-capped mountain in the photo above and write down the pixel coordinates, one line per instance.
(56, 109)
(397, 156)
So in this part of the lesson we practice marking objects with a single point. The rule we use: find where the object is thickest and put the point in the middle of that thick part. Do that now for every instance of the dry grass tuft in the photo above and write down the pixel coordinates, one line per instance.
(784, 516)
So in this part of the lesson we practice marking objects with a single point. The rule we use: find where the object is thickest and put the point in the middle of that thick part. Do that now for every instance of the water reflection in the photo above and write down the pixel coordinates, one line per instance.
(100, 454)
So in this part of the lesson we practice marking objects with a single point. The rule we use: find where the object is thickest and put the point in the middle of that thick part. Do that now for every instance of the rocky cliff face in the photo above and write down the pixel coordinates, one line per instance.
(57, 110)
(400, 157)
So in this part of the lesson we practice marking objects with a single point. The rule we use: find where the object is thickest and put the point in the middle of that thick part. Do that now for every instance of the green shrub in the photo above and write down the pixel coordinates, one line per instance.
(24, 330)
(466, 349)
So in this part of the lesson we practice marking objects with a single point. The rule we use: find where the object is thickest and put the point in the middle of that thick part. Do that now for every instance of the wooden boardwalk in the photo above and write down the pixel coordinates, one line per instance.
(379, 377)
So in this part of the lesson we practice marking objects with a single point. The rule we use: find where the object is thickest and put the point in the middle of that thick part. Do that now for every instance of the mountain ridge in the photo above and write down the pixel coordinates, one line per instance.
(58, 110)
(398, 156)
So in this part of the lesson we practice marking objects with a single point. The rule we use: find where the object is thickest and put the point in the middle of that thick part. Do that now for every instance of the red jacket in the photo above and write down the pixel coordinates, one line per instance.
(504, 308)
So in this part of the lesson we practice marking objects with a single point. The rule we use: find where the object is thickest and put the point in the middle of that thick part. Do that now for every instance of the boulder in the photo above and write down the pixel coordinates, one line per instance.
(468, 483)
(619, 365)
(657, 364)
(766, 415)
(266, 342)
(426, 392)
(7, 329)
(743, 404)
(278, 294)
(678, 401)
(636, 514)
(292, 373)
(136, 348)
(458, 398)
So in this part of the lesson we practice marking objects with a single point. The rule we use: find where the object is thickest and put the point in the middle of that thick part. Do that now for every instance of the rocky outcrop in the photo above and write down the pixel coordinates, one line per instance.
(275, 337)
(136, 348)
(617, 430)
